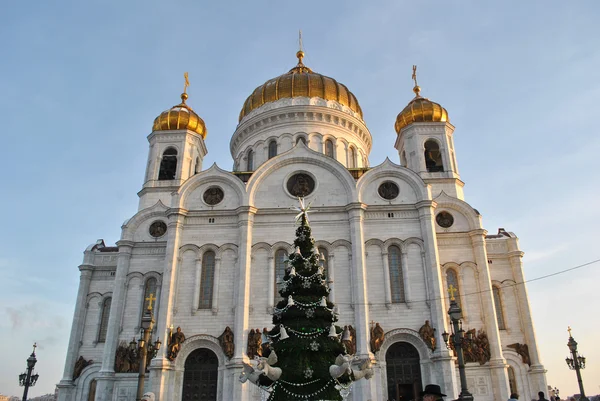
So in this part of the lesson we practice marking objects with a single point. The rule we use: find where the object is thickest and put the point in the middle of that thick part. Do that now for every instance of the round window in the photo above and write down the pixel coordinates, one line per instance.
(213, 196)
(388, 190)
(157, 228)
(444, 219)
(300, 184)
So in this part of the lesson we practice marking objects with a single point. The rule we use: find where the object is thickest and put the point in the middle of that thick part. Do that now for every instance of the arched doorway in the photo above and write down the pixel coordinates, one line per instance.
(200, 376)
(403, 372)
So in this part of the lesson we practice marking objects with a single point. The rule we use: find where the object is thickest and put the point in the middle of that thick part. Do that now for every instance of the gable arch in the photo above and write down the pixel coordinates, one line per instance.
(289, 248)
(388, 169)
(473, 218)
(261, 245)
(130, 276)
(130, 226)
(189, 247)
(301, 156)
(404, 335)
(227, 247)
(323, 244)
(213, 174)
(199, 341)
(343, 243)
(375, 242)
(394, 241)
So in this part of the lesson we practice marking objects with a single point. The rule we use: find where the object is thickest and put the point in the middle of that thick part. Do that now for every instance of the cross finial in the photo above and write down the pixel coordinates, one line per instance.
(151, 298)
(300, 40)
(569, 330)
(452, 290)
(417, 88)
(300, 52)
(187, 82)
(34, 347)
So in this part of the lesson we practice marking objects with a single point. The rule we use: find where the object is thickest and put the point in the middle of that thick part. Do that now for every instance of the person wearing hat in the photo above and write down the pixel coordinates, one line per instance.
(432, 392)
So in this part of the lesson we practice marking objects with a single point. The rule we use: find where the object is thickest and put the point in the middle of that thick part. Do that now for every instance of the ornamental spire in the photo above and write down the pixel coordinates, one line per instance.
(417, 88)
(184, 95)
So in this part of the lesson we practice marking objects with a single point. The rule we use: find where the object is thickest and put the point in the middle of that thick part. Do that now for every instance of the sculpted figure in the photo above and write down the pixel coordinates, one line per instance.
(175, 344)
(251, 350)
(79, 366)
(266, 342)
(377, 335)
(427, 333)
(226, 341)
(523, 350)
(351, 343)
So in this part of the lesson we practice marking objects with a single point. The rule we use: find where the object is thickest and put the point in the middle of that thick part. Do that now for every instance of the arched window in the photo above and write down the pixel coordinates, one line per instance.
(351, 158)
(272, 149)
(299, 139)
(512, 380)
(250, 160)
(206, 280)
(323, 252)
(280, 265)
(149, 289)
(92, 392)
(329, 148)
(433, 157)
(168, 165)
(452, 280)
(104, 320)
(498, 305)
(396, 278)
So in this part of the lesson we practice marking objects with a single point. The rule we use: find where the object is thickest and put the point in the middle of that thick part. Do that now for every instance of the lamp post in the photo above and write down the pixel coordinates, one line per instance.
(27, 379)
(576, 362)
(457, 338)
(144, 347)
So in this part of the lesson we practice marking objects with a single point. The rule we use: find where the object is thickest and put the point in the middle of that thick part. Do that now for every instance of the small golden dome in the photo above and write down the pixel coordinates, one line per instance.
(300, 81)
(420, 109)
(180, 116)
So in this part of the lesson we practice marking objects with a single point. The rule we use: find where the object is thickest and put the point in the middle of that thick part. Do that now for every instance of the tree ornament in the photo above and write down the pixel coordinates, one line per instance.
(320, 270)
(306, 283)
(283, 335)
(314, 346)
(310, 313)
(308, 373)
(298, 251)
(290, 301)
(293, 272)
(346, 336)
(332, 332)
(323, 302)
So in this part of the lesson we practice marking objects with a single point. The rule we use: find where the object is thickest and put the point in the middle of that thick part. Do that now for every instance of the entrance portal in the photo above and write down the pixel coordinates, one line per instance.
(200, 376)
(403, 372)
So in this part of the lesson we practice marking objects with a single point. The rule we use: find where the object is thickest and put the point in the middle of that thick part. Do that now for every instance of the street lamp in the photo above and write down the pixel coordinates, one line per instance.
(27, 379)
(457, 338)
(576, 362)
(144, 347)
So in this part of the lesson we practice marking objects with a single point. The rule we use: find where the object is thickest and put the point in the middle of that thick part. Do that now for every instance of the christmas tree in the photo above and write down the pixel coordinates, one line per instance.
(307, 360)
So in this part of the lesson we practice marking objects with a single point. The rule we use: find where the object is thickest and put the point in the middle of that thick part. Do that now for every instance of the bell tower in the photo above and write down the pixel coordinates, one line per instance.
(177, 150)
(425, 143)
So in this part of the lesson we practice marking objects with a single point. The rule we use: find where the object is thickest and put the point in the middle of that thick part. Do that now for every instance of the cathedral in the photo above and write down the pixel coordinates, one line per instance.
(207, 251)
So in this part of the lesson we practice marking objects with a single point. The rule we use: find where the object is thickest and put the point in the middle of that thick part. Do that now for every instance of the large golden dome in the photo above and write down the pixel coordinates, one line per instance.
(300, 81)
(180, 116)
(420, 109)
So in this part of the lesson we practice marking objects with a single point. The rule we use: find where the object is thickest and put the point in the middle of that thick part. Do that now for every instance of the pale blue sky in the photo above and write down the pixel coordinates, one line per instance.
(81, 83)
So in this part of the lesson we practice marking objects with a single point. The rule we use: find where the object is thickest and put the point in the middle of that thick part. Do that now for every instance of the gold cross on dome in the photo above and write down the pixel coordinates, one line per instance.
(187, 82)
(569, 330)
(151, 298)
(414, 74)
(300, 40)
(452, 290)
(34, 347)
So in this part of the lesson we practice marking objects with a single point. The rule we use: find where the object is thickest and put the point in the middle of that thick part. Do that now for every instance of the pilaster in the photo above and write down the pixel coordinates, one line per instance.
(105, 382)
(441, 357)
(160, 366)
(497, 361)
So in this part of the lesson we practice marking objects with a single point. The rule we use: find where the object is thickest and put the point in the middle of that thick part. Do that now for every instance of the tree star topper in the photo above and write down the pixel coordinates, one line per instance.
(303, 209)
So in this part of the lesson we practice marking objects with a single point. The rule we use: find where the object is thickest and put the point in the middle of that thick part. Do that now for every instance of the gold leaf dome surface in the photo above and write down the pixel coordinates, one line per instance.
(300, 81)
(180, 116)
(420, 109)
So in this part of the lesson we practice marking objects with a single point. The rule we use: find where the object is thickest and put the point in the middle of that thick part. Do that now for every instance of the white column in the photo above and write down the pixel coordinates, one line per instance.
(160, 367)
(271, 285)
(242, 306)
(215, 294)
(331, 276)
(497, 361)
(104, 385)
(196, 297)
(386, 278)
(443, 362)
(407, 290)
(363, 388)
(537, 372)
(426, 279)
(76, 330)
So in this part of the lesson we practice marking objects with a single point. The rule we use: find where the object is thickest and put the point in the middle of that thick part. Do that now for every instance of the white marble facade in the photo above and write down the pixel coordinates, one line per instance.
(351, 221)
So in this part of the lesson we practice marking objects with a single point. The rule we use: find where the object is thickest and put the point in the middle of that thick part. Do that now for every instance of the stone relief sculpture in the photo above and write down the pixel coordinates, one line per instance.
(477, 349)
(174, 345)
(79, 366)
(254, 348)
(377, 335)
(226, 341)
(427, 334)
(126, 360)
(523, 350)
